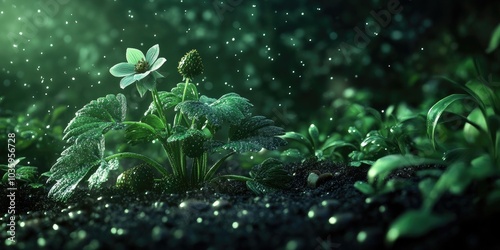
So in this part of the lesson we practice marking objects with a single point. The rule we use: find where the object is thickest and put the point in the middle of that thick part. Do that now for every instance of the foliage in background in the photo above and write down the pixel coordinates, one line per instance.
(26, 174)
(472, 159)
(359, 134)
(37, 139)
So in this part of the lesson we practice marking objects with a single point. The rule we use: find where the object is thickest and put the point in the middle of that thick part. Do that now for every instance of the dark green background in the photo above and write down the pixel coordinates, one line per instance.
(282, 55)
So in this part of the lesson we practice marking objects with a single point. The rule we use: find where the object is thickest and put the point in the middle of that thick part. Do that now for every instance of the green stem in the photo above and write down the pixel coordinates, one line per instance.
(146, 159)
(179, 118)
(216, 166)
(159, 108)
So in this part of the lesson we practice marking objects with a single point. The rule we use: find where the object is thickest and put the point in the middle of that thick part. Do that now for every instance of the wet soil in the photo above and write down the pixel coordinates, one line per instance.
(333, 215)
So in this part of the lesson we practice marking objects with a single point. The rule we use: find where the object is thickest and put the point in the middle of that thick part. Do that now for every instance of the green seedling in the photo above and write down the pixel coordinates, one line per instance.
(476, 160)
(391, 137)
(37, 138)
(313, 145)
(188, 136)
(17, 172)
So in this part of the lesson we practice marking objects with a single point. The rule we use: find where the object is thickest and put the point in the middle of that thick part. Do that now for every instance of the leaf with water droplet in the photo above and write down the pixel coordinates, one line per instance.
(75, 163)
(96, 118)
(268, 176)
(229, 108)
(253, 134)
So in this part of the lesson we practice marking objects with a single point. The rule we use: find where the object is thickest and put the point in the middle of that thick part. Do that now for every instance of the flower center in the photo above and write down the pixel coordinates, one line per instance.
(141, 66)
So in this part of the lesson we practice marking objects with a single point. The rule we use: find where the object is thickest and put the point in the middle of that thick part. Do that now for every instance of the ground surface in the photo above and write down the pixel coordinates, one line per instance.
(230, 217)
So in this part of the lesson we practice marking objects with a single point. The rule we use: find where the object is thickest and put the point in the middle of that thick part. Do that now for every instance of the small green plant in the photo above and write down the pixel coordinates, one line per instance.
(38, 133)
(188, 136)
(475, 158)
(370, 136)
(26, 174)
(313, 145)
(392, 134)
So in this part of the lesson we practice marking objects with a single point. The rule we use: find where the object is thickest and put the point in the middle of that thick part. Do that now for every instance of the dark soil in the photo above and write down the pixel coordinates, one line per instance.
(228, 216)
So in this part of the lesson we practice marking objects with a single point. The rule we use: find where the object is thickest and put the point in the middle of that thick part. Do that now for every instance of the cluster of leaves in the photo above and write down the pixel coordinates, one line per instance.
(474, 158)
(188, 138)
(363, 135)
(27, 174)
(37, 139)
(313, 145)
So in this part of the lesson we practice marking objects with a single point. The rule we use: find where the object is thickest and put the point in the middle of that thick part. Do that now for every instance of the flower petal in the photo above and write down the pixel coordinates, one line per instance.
(149, 82)
(141, 89)
(157, 75)
(122, 69)
(127, 81)
(134, 55)
(152, 54)
(138, 77)
(158, 64)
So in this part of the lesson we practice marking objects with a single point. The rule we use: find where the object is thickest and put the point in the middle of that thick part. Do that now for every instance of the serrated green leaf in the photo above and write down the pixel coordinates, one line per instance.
(171, 99)
(253, 134)
(167, 99)
(180, 133)
(101, 174)
(26, 173)
(415, 223)
(96, 118)
(385, 165)
(74, 164)
(437, 110)
(229, 108)
(23, 173)
(268, 176)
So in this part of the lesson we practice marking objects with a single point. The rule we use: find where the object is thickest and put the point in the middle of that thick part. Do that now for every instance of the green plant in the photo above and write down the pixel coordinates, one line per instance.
(471, 159)
(393, 133)
(477, 159)
(313, 145)
(371, 135)
(26, 174)
(37, 132)
(188, 137)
